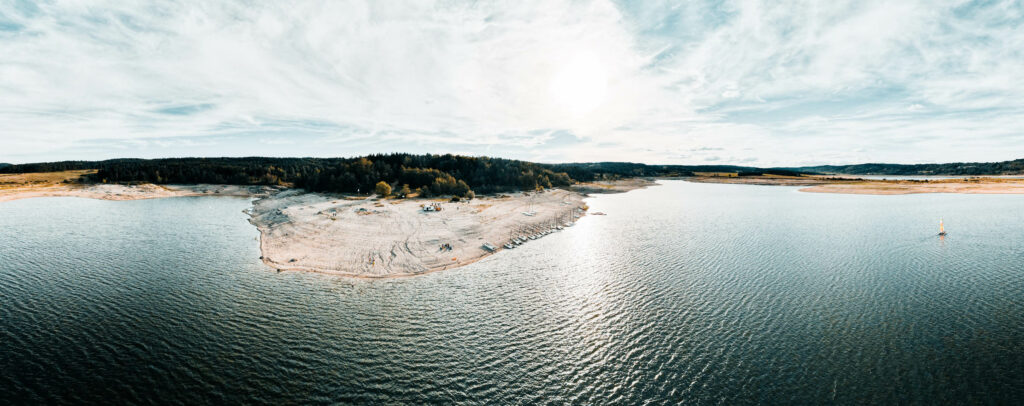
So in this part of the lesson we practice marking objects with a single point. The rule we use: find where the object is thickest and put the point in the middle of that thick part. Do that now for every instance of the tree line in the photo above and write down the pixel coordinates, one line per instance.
(426, 175)
(429, 175)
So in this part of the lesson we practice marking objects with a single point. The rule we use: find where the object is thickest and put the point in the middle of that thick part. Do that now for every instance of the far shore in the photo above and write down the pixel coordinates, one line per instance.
(849, 184)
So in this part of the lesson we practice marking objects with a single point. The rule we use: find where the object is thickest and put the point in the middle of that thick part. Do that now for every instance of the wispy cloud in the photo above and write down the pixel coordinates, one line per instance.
(794, 81)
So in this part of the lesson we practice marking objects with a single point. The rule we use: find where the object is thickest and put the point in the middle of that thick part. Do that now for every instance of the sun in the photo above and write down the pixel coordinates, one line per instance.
(580, 84)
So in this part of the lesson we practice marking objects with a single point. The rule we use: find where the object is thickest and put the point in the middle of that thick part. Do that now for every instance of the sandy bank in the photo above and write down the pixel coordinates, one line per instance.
(849, 185)
(616, 186)
(367, 237)
(129, 192)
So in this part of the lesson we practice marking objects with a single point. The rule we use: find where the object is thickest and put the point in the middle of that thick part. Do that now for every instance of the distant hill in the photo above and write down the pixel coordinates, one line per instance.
(2, 165)
(1015, 167)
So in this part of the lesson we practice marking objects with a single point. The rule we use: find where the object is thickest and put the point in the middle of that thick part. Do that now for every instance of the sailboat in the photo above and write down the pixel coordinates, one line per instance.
(942, 229)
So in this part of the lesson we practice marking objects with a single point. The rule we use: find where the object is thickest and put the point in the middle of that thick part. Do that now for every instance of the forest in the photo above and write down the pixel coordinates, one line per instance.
(429, 175)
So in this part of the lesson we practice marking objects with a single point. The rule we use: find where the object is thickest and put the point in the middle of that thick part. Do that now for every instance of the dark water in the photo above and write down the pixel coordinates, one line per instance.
(684, 293)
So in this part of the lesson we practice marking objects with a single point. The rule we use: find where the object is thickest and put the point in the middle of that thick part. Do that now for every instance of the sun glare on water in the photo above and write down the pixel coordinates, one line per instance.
(579, 86)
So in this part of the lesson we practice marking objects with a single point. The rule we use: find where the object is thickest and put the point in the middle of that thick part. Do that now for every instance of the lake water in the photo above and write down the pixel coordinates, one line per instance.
(683, 293)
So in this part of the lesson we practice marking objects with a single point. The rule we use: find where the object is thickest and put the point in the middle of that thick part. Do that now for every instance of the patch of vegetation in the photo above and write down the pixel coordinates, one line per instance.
(383, 189)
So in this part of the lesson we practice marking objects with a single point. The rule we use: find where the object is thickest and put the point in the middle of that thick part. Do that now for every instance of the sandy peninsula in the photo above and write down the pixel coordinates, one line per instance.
(851, 185)
(375, 238)
(370, 237)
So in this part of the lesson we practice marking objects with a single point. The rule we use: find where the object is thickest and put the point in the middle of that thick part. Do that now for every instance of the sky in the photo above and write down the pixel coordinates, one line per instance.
(759, 83)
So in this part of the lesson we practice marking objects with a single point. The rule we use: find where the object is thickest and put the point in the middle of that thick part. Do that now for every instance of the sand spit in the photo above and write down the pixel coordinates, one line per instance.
(380, 238)
(848, 185)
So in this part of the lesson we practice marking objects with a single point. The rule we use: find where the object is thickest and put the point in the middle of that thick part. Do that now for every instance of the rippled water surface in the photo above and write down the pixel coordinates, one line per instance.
(684, 293)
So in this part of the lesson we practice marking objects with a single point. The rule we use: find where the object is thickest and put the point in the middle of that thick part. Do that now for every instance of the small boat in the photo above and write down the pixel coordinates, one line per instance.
(942, 228)
(488, 246)
(509, 245)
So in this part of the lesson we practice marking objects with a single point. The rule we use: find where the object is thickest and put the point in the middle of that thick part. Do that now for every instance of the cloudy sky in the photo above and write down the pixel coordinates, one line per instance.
(741, 82)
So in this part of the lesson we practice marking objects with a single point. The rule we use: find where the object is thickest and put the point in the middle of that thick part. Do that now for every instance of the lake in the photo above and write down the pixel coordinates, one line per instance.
(683, 293)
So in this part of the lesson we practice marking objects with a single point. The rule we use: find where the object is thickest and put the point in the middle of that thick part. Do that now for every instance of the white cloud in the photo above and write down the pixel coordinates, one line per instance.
(795, 81)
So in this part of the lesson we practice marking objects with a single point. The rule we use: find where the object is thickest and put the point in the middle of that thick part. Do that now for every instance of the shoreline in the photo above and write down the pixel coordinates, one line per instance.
(371, 238)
